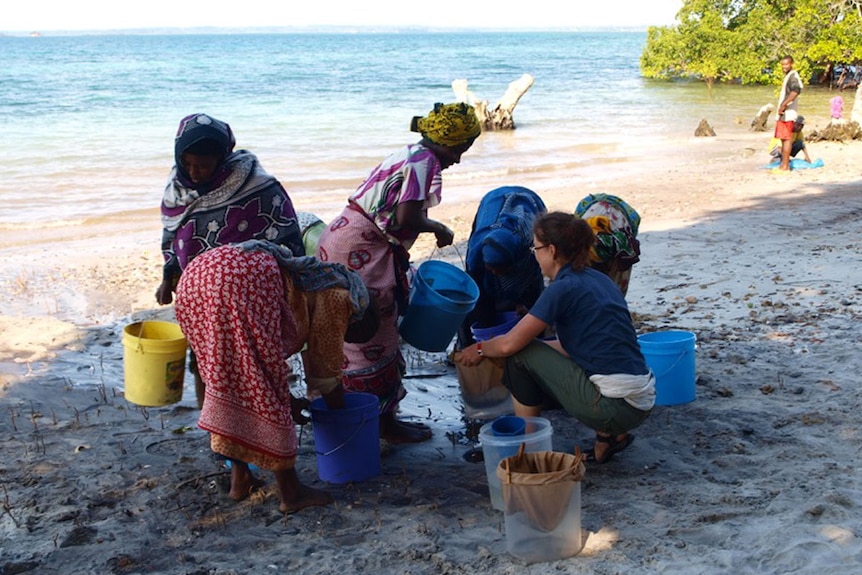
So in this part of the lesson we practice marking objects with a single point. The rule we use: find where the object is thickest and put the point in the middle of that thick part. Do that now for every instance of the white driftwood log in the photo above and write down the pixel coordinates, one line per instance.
(500, 116)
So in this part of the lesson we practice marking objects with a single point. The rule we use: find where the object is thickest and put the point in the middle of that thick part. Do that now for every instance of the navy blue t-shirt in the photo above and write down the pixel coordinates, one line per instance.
(592, 322)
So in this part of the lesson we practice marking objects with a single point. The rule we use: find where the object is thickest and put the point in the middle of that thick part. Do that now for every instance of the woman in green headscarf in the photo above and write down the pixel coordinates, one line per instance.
(372, 236)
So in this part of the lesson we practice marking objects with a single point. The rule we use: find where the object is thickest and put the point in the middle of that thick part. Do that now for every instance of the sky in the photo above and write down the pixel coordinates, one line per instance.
(77, 15)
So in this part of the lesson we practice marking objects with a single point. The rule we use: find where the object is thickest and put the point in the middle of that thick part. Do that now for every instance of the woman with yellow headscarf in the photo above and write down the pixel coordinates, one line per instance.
(372, 237)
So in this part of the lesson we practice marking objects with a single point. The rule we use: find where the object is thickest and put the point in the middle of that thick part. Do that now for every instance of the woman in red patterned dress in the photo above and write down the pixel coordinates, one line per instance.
(245, 310)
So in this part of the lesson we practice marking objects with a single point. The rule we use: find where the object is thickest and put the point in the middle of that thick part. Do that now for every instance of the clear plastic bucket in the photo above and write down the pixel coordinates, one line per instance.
(542, 505)
(537, 437)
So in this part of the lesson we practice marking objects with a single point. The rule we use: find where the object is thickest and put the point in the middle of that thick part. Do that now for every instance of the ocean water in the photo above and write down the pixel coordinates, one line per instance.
(88, 121)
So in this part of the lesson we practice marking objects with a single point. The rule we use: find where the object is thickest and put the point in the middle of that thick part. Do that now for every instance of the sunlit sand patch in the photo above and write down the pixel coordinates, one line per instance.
(601, 540)
(35, 338)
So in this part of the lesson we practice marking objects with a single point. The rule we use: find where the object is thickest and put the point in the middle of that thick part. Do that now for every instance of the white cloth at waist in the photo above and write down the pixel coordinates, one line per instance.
(637, 390)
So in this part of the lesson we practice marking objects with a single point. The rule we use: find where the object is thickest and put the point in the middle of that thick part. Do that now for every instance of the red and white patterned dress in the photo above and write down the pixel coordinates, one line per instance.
(244, 318)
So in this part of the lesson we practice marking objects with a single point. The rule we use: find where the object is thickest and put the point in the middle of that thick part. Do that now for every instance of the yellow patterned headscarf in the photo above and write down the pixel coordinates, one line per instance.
(448, 124)
(600, 225)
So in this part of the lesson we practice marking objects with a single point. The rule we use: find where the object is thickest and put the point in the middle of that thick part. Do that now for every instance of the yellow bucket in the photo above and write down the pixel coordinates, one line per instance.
(154, 361)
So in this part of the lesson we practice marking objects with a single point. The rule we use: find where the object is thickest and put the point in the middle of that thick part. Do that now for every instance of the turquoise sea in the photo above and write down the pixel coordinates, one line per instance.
(88, 121)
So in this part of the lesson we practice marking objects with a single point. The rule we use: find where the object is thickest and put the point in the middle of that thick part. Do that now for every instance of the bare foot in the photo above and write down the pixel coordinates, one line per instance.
(294, 496)
(395, 431)
(242, 481)
(308, 497)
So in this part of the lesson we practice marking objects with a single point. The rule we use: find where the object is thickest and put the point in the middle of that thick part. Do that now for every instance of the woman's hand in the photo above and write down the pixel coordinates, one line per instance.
(165, 293)
(298, 407)
(470, 356)
(525, 331)
(444, 236)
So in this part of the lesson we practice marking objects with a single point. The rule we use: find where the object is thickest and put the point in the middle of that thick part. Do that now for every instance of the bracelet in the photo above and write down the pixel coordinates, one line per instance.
(479, 348)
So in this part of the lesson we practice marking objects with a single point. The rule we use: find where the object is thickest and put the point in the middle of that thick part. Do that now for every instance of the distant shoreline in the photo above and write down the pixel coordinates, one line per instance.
(208, 30)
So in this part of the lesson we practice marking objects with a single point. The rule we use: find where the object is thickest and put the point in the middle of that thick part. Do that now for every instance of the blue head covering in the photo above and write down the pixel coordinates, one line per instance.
(504, 218)
(500, 248)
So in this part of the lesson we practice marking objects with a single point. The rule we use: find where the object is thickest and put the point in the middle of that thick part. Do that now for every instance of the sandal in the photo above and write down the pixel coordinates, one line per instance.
(615, 447)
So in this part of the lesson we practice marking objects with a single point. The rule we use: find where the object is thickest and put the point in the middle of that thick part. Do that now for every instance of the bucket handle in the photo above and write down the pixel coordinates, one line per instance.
(673, 365)
(457, 251)
(348, 440)
(140, 347)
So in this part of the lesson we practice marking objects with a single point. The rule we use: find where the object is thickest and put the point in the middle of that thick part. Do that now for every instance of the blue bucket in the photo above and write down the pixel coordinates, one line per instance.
(670, 356)
(347, 440)
(508, 426)
(441, 296)
(503, 324)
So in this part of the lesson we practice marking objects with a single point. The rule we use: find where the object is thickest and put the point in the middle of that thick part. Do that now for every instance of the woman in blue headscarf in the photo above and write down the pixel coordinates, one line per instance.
(499, 258)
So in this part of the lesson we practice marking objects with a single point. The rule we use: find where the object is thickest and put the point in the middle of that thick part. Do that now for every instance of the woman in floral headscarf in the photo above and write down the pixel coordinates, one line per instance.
(615, 224)
(372, 236)
(217, 196)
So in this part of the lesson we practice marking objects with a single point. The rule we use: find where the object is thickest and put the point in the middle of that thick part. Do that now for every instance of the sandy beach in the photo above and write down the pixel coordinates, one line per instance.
(757, 475)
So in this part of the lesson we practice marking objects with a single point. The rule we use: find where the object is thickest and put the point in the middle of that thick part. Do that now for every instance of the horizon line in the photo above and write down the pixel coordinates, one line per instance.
(177, 30)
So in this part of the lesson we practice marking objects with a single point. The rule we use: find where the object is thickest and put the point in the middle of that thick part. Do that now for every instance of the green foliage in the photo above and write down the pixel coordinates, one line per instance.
(743, 41)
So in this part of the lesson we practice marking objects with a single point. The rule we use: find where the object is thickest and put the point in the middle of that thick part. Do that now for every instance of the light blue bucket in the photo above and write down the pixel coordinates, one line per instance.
(441, 296)
(670, 356)
(347, 440)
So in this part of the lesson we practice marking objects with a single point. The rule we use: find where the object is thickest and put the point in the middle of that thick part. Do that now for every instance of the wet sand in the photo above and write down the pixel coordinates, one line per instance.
(757, 475)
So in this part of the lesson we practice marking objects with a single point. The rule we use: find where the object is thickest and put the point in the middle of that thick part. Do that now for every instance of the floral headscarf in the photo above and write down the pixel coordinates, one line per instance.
(448, 124)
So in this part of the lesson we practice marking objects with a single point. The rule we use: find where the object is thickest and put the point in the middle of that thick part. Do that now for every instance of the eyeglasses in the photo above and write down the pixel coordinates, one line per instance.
(534, 249)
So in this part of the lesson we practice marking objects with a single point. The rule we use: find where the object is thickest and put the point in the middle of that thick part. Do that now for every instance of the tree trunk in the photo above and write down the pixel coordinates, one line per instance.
(500, 116)
(838, 130)
(758, 124)
(827, 76)
(704, 129)
(856, 114)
